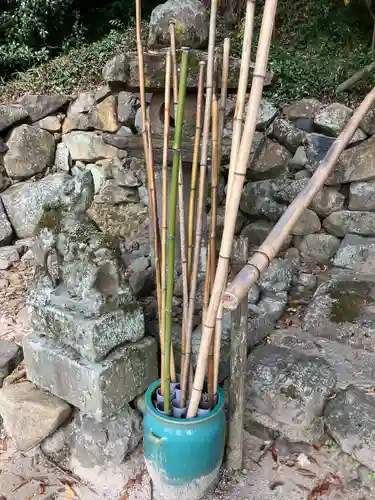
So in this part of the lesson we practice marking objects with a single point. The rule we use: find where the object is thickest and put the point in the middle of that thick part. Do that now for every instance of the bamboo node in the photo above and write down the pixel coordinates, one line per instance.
(253, 252)
(223, 257)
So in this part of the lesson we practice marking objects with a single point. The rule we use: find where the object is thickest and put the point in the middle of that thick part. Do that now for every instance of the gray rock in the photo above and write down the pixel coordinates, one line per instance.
(220, 215)
(39, 106)
(287, 134)
(88, 146)
(98, 389)
(299, 160)
(114, 194)
(356, 253)
(11, 114)
(6, 231)
(362, 195)
(24, 202)
(351, 365)
(142, 282)
(117, 70)
(271, 306)
(332, 119)
(290, 389)
(302, 174)
(50, 123)
(349, 419)
(117, 140)
(102, 93)
(257, 200)
(192, 24)
(30, 414)
(346, 221)
(303, 285)
(253, 294)
(10, 358)
(318, 248)
(267, 113)
(105, 443)
(278, 277)
(256, 232)
(368, 122)
(308, 223)
(139, 264)
(301, 113)
(63, 160)
(8, 256)
(327, 200)
(93, 338)
(271, 162)
(342, 310)
(99, 116)
(3, 146)
(317, 146)
(126, 108)
(122, 173)
(31, 150)
(355, 164)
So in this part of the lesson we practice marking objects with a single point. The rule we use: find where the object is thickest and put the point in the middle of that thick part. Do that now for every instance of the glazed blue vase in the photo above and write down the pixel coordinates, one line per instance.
(183, 456)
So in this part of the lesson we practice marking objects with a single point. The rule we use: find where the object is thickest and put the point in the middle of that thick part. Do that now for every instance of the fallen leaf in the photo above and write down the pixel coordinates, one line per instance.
(274, 453)
(330, 482)
(41, 488)
(316, 447)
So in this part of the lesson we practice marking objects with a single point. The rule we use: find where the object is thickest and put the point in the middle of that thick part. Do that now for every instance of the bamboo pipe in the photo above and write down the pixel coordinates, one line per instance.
(261, 259)
(201, 195)
(241, 92)
(194, 171)
(172, 227)
(234, 200)
(164, 223)
(181, 204)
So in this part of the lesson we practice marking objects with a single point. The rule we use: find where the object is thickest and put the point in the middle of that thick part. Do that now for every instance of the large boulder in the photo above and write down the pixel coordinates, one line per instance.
(346, 221)
(271, 162)
(308, 223)
(88, 146)
(278, 276)
(355, 164)
(31, 151)
(39, 106)
(301, 113)
(287, 134)
(356, 253)
(30, 414)
(11, 114)
(6, 230)
(362, 195)
(318, 248)
(317, 146)
(267, 112)
(116, 70)
(332, 119)
(24, 202)
(257, 200)
(101, 116)
(257, 231)
(192, 24)
(349, 420)
(368, 122)
(286, 391)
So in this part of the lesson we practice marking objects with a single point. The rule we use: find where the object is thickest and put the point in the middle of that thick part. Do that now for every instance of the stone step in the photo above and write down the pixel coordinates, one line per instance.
(352, 366)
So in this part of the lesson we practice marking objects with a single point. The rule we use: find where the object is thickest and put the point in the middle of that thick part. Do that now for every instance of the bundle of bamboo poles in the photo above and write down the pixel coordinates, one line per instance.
(195, 393)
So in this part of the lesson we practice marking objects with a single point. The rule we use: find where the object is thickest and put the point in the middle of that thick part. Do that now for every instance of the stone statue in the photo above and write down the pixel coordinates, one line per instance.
(85, 302)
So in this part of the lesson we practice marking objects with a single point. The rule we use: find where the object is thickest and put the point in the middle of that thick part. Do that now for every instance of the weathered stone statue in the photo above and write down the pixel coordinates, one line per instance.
(85, 302)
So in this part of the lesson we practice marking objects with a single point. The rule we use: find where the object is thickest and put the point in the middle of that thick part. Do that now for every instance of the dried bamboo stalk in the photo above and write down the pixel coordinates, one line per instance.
(241, 93)
(272, 244)
(194, 171)
(172, 226)
(217, 346)
(164, 224)
(201, 194)
(234, 199)
(181, 205)
(211, 258)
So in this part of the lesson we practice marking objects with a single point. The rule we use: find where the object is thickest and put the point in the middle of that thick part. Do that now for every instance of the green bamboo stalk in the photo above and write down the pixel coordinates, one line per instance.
(172, 226)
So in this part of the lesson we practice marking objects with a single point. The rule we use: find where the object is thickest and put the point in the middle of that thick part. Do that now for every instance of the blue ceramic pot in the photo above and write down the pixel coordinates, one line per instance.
(183, 456)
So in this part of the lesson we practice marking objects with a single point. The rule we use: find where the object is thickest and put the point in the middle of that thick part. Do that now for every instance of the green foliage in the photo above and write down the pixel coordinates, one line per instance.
(317, 45)
(32, 31)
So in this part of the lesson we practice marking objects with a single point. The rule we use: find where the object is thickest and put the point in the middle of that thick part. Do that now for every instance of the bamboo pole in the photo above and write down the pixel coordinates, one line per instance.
(234, 199)
(181, 204)
(222, 107)
(172, 226)
(272, 244)
(241, 93)
(201, 195)
(211, 256)
(194, 171)
(164, 224)
(238, 354)
(359, 75)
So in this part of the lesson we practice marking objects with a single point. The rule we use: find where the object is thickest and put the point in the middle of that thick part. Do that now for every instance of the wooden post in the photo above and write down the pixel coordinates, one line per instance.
(238, 357)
